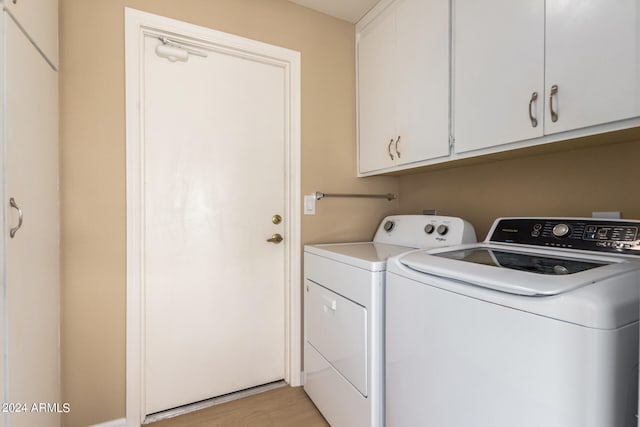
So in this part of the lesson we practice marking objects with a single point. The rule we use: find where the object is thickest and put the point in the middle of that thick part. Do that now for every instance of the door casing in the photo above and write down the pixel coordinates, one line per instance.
(139, 24)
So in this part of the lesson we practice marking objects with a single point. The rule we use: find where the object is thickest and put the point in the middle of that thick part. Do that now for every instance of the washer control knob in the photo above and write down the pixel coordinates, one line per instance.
(388, 226)
(442, 229)
(561, 230)
(429, 228)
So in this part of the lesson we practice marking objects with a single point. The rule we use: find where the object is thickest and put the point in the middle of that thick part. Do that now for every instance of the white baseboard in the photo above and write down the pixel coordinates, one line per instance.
(113, 423)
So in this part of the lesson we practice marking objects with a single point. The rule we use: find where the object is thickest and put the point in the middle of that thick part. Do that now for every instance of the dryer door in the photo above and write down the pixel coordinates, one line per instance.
(337, 328)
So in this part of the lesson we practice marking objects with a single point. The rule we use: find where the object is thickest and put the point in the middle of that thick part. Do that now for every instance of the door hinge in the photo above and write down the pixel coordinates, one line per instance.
(452, 142)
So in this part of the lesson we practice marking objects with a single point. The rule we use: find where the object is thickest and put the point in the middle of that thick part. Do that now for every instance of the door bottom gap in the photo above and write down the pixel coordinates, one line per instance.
(207, 403)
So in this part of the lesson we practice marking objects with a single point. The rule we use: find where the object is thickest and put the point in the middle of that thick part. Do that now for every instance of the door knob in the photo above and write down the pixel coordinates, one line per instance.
(276, 219)
(276, 238)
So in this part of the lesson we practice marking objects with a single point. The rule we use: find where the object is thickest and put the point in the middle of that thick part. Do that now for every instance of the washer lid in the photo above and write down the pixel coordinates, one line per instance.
(545, 272)
(370, 256)
(533, 263)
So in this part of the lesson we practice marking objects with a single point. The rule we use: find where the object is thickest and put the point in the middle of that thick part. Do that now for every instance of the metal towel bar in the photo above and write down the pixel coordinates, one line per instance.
(388, 196)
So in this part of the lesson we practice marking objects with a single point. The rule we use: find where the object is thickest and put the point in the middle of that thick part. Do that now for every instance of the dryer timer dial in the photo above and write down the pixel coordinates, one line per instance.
(442, 229)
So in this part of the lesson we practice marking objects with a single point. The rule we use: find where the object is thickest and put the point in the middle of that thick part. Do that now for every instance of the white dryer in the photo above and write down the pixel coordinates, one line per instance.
(343, 314)
(536, 326)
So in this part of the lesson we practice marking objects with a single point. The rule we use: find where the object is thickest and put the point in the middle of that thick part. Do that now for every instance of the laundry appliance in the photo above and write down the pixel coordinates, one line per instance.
(344, 314)
(536, 326)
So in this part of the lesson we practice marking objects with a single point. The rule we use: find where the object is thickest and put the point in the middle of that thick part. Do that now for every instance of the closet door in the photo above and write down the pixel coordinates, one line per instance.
(40, 20)
(31, 260)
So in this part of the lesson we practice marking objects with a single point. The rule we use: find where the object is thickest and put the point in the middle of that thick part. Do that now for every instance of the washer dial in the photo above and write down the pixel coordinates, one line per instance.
(561, 230)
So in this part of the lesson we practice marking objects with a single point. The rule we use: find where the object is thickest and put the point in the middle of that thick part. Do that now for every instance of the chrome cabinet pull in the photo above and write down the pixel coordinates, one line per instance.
(14, 230)
(276, 238)
(396, 146)
(554, 114)
(534, 121)
(389, 149)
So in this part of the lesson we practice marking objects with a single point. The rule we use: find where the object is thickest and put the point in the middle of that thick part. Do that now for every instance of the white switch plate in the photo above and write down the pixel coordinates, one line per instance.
(606, 215)
(310, 205)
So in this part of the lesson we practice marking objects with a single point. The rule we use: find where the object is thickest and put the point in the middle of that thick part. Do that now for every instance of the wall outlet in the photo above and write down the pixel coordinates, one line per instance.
(310, 204)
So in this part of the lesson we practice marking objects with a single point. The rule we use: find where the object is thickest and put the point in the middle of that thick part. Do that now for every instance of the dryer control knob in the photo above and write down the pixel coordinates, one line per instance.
(561, 230)
(442, 229)
(429, 228)
(388, 226)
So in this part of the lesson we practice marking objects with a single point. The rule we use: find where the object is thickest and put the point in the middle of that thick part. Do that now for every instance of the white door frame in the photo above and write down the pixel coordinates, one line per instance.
(138, 25)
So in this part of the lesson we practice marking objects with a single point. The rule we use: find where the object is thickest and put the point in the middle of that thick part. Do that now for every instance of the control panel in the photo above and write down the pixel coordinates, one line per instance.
(600, 235)
(422, 231)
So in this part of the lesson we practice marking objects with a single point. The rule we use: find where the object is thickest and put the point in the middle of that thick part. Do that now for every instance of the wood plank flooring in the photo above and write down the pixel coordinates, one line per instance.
(282, 407)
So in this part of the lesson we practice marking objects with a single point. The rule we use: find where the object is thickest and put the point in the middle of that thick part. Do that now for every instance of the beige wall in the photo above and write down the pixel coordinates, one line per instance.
(569, 183)
(93, 166)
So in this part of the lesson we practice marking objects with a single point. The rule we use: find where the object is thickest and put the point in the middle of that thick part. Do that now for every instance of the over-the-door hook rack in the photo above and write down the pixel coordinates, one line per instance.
(388, 196)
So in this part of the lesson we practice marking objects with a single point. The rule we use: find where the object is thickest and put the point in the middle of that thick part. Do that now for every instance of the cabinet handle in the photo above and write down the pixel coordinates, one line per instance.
(554, 114)
(389, 149)
(14, 230)
(396, 146)
(534, 121)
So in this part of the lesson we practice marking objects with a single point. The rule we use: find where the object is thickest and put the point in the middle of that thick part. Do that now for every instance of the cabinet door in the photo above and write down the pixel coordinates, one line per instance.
(31, 279)
(422, 79)
(498, 66)
(376, 61)
(39, 18)
(593, 57)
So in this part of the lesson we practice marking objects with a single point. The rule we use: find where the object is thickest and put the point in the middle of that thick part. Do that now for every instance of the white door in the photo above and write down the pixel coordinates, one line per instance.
(31, 260)
(40, 20)
(214, 178)
(498, 72)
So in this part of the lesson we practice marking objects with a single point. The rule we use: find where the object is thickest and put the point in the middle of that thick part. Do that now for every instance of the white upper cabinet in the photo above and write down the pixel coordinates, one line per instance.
(39, 19)
(403, 84)
(593, 58)
(498, 72)
(376, 93)
(529, 68)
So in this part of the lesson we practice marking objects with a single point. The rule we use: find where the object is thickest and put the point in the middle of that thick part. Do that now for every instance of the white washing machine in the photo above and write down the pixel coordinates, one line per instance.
(536, 326)
(343, 314)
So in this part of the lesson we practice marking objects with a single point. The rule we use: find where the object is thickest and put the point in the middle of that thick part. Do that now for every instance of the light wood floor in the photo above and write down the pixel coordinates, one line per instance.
(282, 407)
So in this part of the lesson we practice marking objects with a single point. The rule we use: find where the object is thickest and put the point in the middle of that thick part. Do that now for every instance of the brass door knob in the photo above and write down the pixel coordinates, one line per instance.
(276, 238)
(276, 219)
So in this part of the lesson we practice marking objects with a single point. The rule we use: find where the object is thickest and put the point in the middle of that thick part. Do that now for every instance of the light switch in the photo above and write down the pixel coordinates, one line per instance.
(310, 205)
